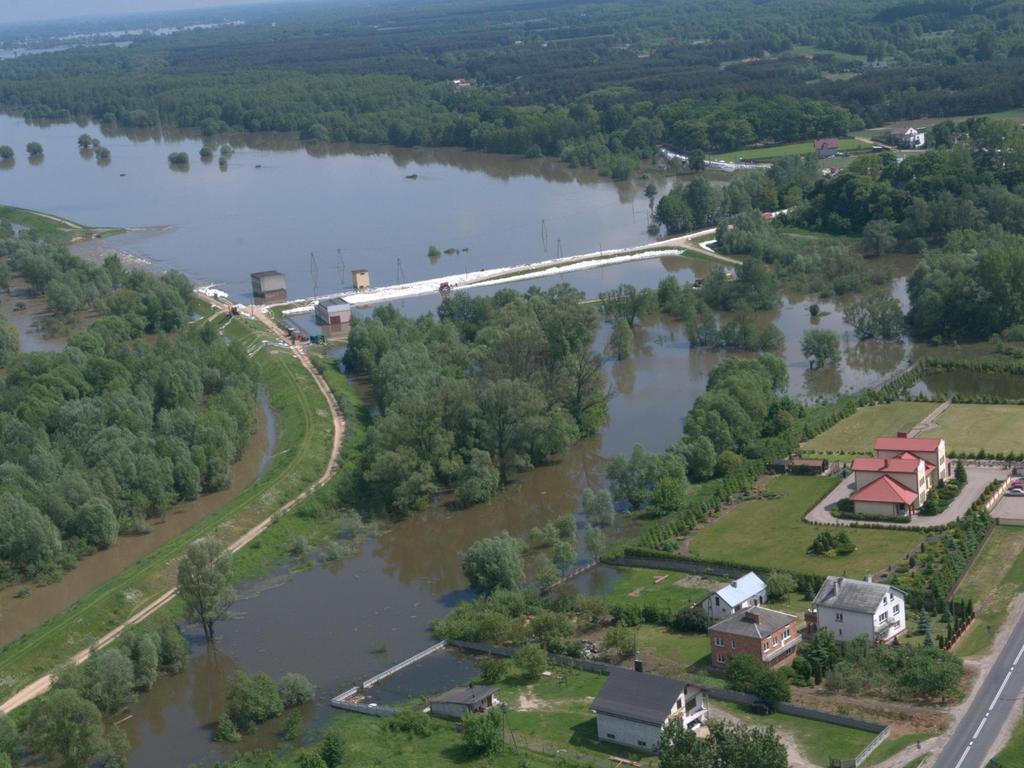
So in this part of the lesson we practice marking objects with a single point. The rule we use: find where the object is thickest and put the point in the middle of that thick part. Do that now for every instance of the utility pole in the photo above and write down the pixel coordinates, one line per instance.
(341, 271)
(314, 272)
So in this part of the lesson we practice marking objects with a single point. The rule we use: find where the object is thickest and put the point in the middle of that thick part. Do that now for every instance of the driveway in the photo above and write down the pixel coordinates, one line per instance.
(977, 479)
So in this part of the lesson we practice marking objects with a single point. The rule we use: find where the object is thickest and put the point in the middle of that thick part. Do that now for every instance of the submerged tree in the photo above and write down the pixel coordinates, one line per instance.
(204, 583)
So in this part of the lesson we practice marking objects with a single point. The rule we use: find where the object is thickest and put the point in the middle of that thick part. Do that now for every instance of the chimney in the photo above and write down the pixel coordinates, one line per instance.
(901, 434)
(638, 665)
(752, 616)
(869, 578)
(838, 584)
(734, 585)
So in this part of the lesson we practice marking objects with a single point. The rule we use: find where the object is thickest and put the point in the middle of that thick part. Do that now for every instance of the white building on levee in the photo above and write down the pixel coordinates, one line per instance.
(851, 608)
(748, 591)
(632, 708)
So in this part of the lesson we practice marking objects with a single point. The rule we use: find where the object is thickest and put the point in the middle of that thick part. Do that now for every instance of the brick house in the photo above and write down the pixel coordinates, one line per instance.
(767, 635)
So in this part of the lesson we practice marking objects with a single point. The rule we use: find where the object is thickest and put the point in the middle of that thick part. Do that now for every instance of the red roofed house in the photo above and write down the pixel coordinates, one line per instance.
(931, 450)
(887, 497)
(825, 148)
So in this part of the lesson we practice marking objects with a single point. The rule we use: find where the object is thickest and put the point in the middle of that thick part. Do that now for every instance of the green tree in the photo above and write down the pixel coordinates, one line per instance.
(960, 473)
(6, 152)
(64, 726)
(564, 555)
(621, 342)
(118, 748)
(9, 343)
(8, 735)
(780, 584)
(34, 149)
(226, 730)
(875, 317)
(531, 661)
(478, 480)
(596, 541)
(252, 700)
(726, 746)
(204, 584)
(598, 508)
(750, 675)
(178, 158)
(494, 563)
(544, 570)
(295, 690)
(820, 347)
(332, 749)
(310, 759)
(206, 153)
(483, 734)
(878, 238)
(85, 141)
(629, 304)
(434, 254)
(108, 680)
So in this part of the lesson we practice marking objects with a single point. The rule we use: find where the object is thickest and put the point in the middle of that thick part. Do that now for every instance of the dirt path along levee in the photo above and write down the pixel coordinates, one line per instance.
(43, 684)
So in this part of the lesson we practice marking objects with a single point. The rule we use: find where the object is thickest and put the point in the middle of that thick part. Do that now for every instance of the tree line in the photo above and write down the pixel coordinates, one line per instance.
(106, 434)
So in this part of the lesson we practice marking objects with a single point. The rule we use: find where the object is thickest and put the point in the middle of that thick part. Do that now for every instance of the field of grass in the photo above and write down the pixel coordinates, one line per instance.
(554, 712)
(893, 745)
(994, 579)
(1013, 753)
(784, 150)
(675, 654)
(816, 740)
(857, 433)
(53, 227)
(770, 533)
(637, 586)
(968, 428)
(304, 430)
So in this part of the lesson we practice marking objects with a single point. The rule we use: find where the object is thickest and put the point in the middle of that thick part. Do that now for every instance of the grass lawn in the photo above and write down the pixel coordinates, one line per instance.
(1013, 754)
(304, 429)
(857, 433)
(636, 586)
(784, 150)
(894, 745)
(771, 533)
(554, 712)
(994, 428)
(996, 577)
(793, 603)
(675, 654)
(817, 741)
(368, 745)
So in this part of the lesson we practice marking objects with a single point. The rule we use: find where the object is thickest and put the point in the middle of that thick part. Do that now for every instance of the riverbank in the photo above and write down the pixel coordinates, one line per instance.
(304, 449)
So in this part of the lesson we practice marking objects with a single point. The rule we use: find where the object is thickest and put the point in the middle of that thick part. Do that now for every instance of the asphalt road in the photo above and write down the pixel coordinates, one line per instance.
(974, 735)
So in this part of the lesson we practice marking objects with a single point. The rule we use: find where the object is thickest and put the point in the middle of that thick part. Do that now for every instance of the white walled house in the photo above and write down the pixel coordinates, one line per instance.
(908, 138)
(851, 608)
(747, 591)
(931, 450)
(632, 708)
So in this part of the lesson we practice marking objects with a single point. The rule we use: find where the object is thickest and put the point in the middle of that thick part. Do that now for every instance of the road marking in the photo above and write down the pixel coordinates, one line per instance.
(1019, 653)
(999, 692)
(980, 726)
(962, 758)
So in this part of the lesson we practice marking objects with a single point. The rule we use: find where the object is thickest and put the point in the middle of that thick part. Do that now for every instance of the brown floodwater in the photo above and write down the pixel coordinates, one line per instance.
(19, 615)
(969, 383)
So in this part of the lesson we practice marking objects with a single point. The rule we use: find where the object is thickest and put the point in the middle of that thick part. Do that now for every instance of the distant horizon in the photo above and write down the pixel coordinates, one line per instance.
(42, 11)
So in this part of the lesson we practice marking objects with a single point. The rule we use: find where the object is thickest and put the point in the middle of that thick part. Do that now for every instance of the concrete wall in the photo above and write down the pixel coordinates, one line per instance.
(448, 709)
(875, 508)
(616, 730)
(850, 626)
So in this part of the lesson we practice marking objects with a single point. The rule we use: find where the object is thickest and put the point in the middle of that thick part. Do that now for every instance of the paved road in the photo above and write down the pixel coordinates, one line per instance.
(973, 737)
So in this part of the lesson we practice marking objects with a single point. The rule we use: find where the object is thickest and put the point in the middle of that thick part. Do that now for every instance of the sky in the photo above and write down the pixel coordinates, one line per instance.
(48, 10)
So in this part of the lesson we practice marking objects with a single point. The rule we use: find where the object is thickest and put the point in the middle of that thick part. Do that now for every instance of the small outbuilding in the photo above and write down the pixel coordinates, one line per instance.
(333, 313)
(633, 708)
(270, 283)
(458, 702)
(361, 279)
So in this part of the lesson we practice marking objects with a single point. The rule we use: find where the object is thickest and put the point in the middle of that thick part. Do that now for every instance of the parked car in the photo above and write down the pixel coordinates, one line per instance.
(1017, 491)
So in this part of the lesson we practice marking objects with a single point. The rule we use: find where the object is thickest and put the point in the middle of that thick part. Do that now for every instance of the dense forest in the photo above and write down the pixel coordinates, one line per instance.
(114, 429)
(493, 386)
(599, 84)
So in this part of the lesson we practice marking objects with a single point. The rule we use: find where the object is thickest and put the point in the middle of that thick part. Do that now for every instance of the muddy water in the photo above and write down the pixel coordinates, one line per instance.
(19, 615)
(969, 383)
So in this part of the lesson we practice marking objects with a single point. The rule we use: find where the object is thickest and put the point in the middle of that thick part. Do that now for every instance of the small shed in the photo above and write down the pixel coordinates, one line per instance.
(333, 313)
(361, 279)
(268, 283)
(457, 702)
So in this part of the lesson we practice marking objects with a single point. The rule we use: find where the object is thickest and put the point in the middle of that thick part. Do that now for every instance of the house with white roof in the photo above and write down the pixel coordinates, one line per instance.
(851, 608)
(746, 592)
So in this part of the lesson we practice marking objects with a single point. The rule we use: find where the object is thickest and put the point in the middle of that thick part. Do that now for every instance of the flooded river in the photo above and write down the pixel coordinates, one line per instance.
(345, 621)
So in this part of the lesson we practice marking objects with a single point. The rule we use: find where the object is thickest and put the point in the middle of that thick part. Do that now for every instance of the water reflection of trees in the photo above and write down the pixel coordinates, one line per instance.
(875, 355)
(823, 382)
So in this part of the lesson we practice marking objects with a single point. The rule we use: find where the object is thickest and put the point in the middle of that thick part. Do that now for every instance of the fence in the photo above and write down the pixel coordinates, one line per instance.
(341, 700)
(686, 566)
(402, 665)
(363, 709)
(571, 575)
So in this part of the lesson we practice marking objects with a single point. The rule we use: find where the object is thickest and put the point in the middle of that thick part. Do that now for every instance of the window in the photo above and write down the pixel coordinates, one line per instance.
(883, 616)
(839, 616)
(885, 599)
(766, 645)
(717, 601)
(895, 608)
(719, 642)
(775, 640)
(721, 659)
(786, 635)
(641, 743)
(733, 644)
(610, 736)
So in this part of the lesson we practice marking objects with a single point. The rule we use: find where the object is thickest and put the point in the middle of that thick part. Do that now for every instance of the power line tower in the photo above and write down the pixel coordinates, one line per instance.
(314, 273)
(399, 272)
(341, 271)
(559, 247)
(544, 234)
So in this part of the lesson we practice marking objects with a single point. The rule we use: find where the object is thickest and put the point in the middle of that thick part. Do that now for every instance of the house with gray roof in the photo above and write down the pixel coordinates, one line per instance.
(746, 592)
(633, 708)
(457, 702)
(767, 635)
(851, 608)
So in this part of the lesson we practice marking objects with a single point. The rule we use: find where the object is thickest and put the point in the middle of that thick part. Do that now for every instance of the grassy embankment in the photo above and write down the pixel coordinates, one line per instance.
(995, 578)
(771, 533)
(1013, 753)
(54, 227)
(304, 439)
